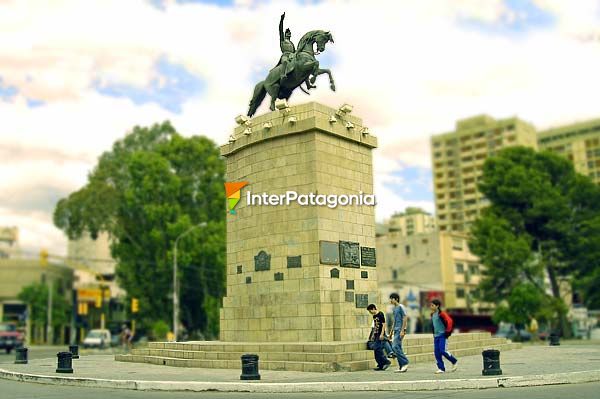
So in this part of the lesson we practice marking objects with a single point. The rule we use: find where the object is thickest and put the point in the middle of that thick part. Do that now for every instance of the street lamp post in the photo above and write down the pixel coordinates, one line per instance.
(175, 285)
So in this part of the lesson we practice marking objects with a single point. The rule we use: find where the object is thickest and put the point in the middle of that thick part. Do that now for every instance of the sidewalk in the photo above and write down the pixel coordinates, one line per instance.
(533, 365)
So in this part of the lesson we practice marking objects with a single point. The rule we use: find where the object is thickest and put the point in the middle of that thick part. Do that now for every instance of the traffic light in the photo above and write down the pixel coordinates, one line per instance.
(43, 257)
(82, 308)
(135, 305)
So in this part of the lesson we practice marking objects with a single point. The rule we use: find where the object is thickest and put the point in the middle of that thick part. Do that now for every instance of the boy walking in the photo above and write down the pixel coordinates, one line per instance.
(378, 330)
(398, 331)
(442, 328)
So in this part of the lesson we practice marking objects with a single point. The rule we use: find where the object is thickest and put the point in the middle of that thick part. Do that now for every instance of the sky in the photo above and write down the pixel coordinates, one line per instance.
(77, 75)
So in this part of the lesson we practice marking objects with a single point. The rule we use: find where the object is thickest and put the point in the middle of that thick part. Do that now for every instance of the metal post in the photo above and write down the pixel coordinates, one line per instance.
(65, 362)
(175, 293)
(175, 281)
(21, 356)
(250, 367)
(49, 332)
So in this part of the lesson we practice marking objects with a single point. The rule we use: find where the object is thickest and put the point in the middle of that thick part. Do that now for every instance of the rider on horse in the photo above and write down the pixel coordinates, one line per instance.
(287, 48)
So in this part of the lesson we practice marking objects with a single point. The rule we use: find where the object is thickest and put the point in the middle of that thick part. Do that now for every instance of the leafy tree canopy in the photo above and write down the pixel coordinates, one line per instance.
(151, 187)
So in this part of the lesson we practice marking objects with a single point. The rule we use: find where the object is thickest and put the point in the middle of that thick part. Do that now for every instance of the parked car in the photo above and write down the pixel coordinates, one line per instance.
(509, 331)
(97, 339)
(10, 338)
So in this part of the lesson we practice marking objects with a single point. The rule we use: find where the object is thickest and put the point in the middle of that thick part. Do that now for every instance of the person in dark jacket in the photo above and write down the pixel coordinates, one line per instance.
(378, 337)
(442, 328)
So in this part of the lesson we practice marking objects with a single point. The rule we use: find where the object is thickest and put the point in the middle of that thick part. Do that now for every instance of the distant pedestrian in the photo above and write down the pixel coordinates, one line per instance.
(378, 337)
(533, 328)
(442, 329)
(126, 337)
(399, 322)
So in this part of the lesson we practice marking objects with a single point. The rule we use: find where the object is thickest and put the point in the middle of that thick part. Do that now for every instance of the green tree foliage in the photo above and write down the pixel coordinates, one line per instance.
(152, 186)
(36, 297)
(542, 222)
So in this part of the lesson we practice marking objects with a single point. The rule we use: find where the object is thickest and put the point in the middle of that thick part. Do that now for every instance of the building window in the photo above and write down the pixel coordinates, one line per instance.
(460, 268)
(457, 244)
(407, 249)
(460, 292)
(394, 274)
(473, 269)
(394, 245)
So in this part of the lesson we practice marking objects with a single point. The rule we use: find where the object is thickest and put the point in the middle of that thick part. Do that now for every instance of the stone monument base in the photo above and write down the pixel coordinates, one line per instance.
(303, 356)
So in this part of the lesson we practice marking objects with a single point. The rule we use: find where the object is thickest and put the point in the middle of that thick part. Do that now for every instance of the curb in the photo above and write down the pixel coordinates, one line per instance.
(266, 387)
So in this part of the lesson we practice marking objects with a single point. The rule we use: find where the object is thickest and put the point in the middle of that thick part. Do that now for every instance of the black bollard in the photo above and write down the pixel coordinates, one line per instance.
(21, 356)
(65, 362)
(491, 362)
(250, 367)
(74, 349)
(554, 339)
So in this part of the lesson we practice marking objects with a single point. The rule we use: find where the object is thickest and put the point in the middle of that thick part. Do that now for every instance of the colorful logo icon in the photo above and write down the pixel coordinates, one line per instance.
(232, 192)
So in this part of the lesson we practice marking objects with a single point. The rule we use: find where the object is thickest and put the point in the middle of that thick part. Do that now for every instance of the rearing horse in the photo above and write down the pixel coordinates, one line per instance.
(306, 69)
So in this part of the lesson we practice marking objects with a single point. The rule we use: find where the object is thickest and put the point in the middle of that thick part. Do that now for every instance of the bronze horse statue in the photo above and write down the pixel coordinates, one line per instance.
(305, 70)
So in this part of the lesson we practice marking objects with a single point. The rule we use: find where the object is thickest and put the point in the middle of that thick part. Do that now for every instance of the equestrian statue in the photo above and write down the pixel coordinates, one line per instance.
(295, 66)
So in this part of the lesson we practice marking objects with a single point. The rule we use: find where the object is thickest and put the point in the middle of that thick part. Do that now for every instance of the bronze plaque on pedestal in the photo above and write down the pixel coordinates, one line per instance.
(349, 256)
(367, 256)
(262, 261)
(362, 300)
(294, 261)
(330, 253)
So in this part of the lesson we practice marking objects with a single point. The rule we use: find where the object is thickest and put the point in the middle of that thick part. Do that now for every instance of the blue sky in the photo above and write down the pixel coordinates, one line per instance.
(522, 17)
(415, 184)
(179, 85)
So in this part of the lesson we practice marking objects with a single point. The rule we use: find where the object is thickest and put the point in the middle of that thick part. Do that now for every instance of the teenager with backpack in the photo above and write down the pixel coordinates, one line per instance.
(442, 329)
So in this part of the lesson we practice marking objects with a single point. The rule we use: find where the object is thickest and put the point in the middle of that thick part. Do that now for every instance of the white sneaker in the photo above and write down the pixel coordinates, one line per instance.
(402, 369)
(438, 371)
(454, 366)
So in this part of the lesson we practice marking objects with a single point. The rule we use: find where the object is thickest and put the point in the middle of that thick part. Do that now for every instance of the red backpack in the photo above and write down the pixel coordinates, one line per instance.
(448, 323)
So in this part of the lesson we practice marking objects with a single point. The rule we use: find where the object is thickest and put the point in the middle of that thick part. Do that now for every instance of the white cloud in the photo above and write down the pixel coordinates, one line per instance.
(409, 67)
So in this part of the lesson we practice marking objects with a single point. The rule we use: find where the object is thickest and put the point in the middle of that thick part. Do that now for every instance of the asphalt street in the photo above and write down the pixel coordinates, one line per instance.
(22, 390)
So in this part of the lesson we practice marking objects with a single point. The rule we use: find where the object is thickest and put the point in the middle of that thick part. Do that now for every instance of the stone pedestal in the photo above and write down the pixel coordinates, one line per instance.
(300, 273)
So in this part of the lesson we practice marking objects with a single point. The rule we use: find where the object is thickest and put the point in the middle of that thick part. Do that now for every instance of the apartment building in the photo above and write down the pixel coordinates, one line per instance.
(457, 165)
(578, 142)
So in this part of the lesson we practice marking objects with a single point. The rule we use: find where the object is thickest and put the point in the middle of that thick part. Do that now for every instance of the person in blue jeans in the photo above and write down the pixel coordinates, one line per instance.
(442, 328)
(399, 321)
(378, 337)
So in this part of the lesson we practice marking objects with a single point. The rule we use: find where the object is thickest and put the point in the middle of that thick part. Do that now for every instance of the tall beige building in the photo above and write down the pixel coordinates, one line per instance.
(457, 164)
(579, 142)
(410, 222)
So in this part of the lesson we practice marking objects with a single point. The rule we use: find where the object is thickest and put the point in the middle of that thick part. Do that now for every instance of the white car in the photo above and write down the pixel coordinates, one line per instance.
(97, 339)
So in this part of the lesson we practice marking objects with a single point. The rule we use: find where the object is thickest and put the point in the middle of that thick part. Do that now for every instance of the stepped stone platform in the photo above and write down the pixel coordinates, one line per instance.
(304, 356)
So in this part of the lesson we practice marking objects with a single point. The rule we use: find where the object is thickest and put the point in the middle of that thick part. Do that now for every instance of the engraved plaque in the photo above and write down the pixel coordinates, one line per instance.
(278, 276)
(262, 261)
(248, 280)
(334, 273)
(349, 284)
(364, 274)
(349, 254)
(329, 252)
(239, 269)
(367, 256)
(294, 261)
(349, 296)
(362, 300)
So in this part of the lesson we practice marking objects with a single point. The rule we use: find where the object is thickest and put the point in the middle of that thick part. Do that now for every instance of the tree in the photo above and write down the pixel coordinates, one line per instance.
(36, 297)
(152, 186)
(532, 230)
